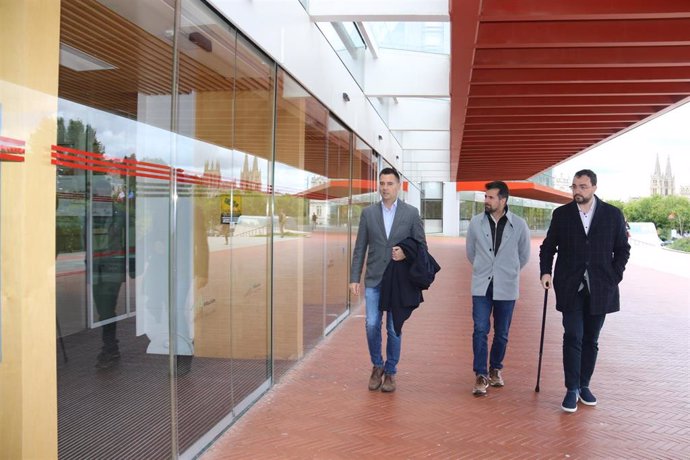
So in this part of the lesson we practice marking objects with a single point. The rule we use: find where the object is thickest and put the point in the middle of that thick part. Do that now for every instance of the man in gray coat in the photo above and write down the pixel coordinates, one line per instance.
(498, 246)
(381, 227)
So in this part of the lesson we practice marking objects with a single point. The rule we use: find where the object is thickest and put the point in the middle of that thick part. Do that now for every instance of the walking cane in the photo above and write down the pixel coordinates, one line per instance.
(541, 341)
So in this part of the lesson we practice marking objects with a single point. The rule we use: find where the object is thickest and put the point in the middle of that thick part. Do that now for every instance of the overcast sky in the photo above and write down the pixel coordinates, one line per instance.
(625, 164)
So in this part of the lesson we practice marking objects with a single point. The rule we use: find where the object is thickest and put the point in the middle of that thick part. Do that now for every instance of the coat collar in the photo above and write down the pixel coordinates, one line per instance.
(379, 216)
(509, 215)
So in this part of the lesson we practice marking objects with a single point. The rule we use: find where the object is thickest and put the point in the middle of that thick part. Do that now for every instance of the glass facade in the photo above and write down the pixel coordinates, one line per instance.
(205, 208)
(429, 37)
(432, 207)
(204, 212)
(537, 214)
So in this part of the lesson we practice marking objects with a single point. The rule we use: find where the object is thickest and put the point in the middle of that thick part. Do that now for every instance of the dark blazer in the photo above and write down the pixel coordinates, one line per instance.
(603, 252)
(372, 241)
(404, 280)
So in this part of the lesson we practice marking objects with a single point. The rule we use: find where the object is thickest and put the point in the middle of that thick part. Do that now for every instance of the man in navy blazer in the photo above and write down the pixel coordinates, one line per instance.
(381, 226)
(590, 238)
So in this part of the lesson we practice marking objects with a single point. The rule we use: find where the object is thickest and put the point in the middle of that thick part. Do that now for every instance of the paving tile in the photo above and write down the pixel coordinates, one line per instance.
(321, 409)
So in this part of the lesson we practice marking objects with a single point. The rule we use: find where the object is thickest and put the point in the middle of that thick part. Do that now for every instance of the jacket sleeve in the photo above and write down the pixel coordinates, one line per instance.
(524, 245)
(359, 250)
(418, 229)
(621, 247)
(470, 242)
(549, 247)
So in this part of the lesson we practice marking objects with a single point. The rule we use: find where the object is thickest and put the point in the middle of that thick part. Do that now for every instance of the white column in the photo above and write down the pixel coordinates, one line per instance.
(451, 210)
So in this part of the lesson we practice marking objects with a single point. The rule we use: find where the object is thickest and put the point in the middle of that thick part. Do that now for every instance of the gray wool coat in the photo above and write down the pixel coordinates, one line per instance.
(504, 266)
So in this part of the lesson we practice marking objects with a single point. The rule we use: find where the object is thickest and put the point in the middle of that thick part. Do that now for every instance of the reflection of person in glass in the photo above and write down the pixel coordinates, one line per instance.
(191, 264)
(193, 300)
(109, 266)
(281, 222)
(314, 218)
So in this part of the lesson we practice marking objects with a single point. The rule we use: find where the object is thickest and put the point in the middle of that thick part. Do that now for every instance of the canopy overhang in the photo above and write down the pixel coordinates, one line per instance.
(536, 83)
(521, 189)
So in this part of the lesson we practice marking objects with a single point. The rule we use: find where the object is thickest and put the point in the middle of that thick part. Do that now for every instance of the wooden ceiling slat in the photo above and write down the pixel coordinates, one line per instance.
(532, 111)
(143, 61)
(581, 75)
(582, 89)
(572, 101)
(495, 10)
(627, 56)
(564, 34)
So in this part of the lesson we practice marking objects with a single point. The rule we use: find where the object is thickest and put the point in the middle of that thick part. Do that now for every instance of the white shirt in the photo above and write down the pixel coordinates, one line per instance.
(388, 216)
(586, 218)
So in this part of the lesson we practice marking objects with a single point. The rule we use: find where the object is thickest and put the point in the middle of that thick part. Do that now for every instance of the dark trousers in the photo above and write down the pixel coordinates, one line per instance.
(105, 294)
(580, 342)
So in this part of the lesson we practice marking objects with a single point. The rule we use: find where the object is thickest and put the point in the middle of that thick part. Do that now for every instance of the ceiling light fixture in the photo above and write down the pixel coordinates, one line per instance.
(80, 61)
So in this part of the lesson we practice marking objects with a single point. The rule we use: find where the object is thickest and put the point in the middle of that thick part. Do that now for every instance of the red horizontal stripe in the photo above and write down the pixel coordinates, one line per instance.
(103, 170)
(11, 157)
(66, 151)
(10, 141)
(72, 196)
(59, 148)
(8, 149)
(98, 162)
(74, 272)
(165, 168)
(114, 252)
(113, 167)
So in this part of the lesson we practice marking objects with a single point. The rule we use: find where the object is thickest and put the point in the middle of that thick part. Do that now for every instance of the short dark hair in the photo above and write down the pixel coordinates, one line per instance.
(390, 171)
(502, 187)
(589, 173)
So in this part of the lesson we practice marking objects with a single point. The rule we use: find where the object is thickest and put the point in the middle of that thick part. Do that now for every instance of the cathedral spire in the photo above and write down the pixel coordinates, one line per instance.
(663, 185)
(657, 169)
(668, 172)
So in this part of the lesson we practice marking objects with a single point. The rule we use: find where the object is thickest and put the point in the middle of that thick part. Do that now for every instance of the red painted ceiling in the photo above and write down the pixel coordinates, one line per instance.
(535, 82)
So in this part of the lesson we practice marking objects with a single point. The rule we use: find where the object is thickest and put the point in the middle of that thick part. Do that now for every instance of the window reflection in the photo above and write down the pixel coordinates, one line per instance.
(181, 250)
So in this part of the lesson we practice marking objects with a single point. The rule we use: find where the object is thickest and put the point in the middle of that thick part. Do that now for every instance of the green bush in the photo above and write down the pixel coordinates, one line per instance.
(664, 233)
(682, 244)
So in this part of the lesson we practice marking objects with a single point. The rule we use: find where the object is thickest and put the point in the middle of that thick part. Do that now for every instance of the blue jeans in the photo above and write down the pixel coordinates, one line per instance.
(373, 326)
(580, 342)
(482, 307)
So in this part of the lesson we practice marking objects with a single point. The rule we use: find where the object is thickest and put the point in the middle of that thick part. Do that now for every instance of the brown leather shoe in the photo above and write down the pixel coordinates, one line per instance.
(375, 379)
(388, 383)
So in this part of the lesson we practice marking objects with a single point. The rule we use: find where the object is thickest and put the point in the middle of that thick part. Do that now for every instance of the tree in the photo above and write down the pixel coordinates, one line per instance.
(617, 203)
(666, 212)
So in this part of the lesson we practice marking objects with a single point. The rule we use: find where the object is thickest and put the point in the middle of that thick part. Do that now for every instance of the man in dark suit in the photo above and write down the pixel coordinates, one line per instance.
(589, 236)
(381, 226)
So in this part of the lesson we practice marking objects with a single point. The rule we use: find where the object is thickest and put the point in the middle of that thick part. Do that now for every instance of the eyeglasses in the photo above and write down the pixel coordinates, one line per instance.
(581, 187)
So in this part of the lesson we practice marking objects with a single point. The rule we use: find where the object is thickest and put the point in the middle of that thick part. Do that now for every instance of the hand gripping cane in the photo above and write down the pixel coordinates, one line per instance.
(541, 341)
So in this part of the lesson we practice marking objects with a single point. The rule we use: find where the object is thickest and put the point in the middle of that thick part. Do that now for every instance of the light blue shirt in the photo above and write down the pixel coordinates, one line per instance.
(388, 216)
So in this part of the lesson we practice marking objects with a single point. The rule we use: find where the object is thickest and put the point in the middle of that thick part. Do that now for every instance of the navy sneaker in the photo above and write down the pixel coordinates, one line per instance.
(586, 397)
(569, 403)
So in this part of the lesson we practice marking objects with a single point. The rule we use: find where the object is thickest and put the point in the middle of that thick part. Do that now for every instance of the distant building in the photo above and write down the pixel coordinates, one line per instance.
(250, 178)
(662, 184)
(562, 182)
(685, 191)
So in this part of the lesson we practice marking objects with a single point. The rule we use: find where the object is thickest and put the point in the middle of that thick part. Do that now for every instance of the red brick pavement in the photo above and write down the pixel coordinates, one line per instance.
(323, 410)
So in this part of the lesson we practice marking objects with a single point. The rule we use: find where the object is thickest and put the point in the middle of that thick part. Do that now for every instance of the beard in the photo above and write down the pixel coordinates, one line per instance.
(582, 199)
